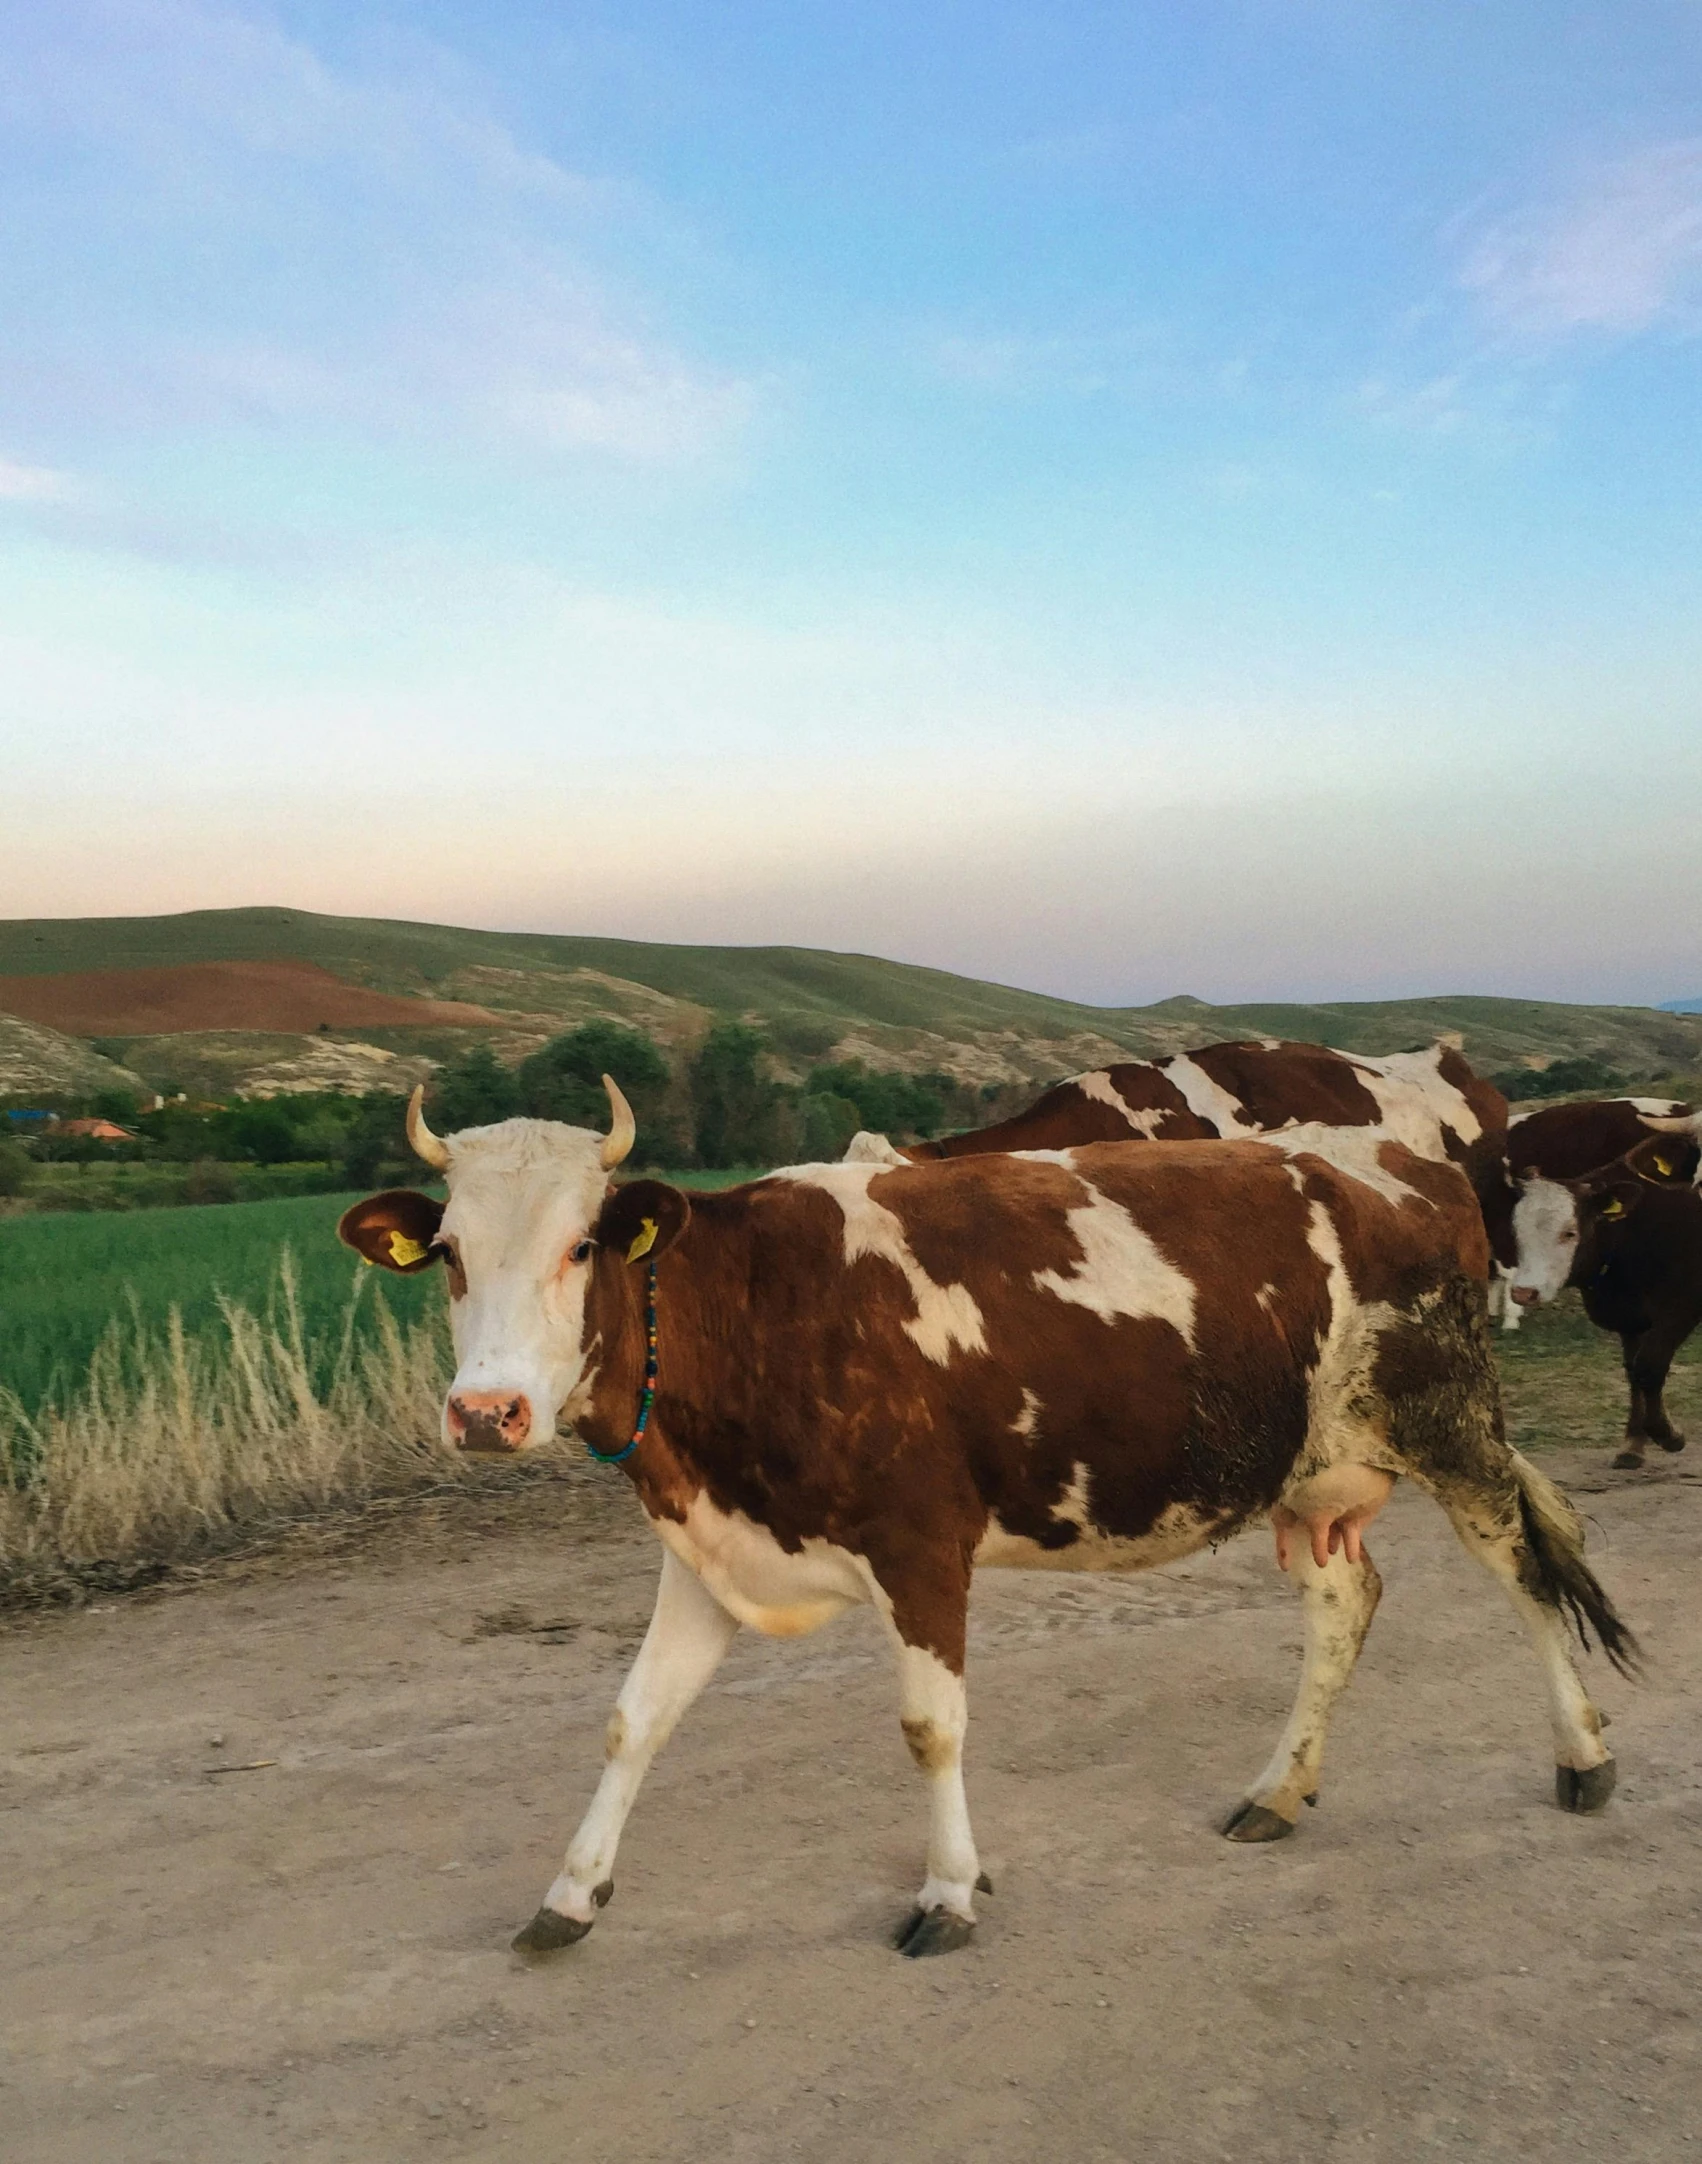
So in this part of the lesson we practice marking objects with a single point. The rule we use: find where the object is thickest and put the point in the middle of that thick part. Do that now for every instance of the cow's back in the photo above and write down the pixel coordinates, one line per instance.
(1430, 1101)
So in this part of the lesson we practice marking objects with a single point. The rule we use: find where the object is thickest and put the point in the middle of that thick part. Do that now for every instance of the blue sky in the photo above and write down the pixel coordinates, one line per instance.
(1120, 499)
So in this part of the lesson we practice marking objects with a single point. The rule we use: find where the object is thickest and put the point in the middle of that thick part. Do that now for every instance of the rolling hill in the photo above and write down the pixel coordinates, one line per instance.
(223, 997)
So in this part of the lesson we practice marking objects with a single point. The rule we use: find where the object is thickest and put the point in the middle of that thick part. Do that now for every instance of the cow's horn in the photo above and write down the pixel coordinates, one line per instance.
(623, 1132)
(1682, 1123)
(421, 1140)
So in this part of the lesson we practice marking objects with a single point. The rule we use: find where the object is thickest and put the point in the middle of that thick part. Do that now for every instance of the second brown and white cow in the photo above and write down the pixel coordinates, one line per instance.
(868, 1380)
(1431, 1101)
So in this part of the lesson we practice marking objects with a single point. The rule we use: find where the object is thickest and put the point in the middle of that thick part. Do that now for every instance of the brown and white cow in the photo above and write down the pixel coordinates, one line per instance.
(874, 1378)
(1629, 1236)
(1431, 1101)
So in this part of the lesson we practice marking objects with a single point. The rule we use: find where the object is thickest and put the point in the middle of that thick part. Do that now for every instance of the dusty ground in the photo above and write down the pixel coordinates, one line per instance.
(309, 1961)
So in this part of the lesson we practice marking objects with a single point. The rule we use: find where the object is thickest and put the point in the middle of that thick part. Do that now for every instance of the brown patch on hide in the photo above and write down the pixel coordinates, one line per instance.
(1068, 1114)
(1482, 1097)
(1300, 1082)
(932, 1749)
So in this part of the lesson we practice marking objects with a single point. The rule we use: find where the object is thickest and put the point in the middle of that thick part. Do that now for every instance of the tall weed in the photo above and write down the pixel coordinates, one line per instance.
(172, 1442)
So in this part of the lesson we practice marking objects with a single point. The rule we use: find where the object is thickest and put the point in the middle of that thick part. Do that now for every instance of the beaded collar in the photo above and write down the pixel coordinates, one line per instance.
(647, 1396)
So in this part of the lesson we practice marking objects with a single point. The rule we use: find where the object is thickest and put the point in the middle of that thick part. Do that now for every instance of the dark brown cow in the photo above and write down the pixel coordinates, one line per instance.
(871, 1379)
(1561, 1142)
(1629, 1236)
(1430, 1100)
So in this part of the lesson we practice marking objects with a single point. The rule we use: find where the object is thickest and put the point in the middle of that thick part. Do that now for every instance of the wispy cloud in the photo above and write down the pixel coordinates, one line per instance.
(1618, 253)
(34, 484)
(1022, 364)
(366, 244)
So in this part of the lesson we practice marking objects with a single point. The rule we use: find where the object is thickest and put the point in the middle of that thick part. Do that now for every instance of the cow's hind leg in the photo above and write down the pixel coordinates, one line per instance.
(1648, 1359)
(1530, 1541)
(1340, 1598)
(689, 1632)
(934, 1712)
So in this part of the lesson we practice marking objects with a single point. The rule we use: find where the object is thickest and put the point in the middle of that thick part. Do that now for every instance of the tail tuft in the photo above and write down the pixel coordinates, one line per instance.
(1554, 1540)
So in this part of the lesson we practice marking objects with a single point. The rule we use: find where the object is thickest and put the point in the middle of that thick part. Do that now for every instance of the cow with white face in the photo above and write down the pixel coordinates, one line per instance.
(515, 1240)
(854, 1384)
(1629, 1236)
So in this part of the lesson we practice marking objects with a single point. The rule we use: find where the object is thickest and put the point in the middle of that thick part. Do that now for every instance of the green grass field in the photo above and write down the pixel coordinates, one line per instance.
(64, 1279)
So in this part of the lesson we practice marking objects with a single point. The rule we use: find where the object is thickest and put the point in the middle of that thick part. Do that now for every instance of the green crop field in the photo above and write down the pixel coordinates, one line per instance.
(65, 1279)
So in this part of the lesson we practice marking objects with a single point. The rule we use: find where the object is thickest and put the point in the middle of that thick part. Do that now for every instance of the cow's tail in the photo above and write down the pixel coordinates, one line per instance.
(1554, 1541)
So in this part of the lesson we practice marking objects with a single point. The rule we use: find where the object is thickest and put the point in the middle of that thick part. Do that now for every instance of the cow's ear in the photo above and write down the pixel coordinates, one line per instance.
(1611, 1198)
(1666, 1160)
(397, 1230)
(642, 1220)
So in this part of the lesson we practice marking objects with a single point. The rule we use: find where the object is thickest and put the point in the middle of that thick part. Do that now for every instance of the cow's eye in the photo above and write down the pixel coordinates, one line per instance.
(581, 1251)
(451, 1256)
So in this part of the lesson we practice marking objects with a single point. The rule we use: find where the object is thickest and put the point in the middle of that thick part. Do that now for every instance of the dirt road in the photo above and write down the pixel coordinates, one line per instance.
(309, 1961)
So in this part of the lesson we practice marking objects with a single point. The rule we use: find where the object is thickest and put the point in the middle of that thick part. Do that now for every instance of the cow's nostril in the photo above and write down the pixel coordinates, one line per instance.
(485, 1419)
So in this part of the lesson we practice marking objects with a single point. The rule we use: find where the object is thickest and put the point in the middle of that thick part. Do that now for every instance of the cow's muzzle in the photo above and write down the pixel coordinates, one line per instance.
(1525, 1296)
(489, 1423)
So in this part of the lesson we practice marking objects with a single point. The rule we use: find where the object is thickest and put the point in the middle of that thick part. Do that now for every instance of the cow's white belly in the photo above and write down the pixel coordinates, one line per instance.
(760, 1582)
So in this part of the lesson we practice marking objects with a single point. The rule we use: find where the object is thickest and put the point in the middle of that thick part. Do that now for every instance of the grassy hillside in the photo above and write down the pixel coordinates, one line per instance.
(814, 1004)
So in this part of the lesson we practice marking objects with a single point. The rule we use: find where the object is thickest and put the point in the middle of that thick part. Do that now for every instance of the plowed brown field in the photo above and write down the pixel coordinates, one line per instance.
(292, 996)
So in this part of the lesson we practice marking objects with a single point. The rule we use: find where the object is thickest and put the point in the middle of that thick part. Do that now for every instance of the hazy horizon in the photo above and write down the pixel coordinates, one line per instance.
(1107, 499)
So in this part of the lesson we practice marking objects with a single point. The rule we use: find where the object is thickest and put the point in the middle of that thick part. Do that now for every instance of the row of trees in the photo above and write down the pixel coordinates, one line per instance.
(722, 1109)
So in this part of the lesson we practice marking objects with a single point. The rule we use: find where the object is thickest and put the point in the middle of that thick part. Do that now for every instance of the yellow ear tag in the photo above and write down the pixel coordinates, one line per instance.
(404, 1251)
(1663, 1165)
(645, 1241)
(1613, 1208)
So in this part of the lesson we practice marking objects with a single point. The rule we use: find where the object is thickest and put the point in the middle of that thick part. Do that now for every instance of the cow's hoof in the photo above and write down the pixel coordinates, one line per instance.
(549, 1931)
(1256, 1822)
(932, 1931)
(1672, 1440)
(1628, 1461)
(984, 1884)
(1585, 1789)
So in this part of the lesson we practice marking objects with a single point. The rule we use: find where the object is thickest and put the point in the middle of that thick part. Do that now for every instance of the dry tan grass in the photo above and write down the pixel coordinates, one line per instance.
(173, 1444)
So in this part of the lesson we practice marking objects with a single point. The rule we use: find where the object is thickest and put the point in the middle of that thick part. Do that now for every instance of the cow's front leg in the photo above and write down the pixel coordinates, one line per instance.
(934, 1712)
(689, 1632)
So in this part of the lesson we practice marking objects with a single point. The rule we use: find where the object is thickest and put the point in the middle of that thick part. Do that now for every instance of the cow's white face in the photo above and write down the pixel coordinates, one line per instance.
(1545, 1234)
(523, 1198)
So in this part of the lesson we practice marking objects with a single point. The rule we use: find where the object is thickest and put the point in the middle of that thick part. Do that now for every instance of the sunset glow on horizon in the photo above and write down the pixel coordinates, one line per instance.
(1117, 500)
